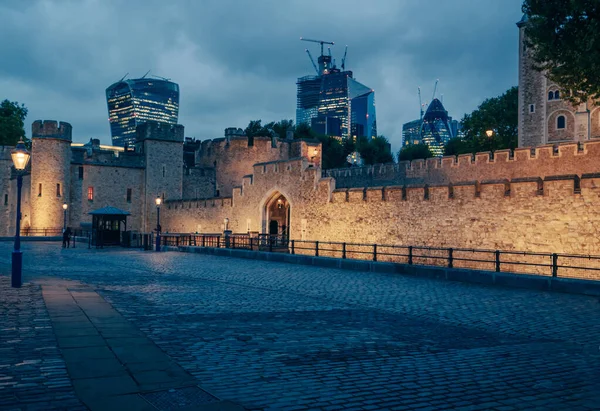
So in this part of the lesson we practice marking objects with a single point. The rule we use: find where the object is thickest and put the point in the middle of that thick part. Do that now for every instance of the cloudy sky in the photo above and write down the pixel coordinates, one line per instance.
(237, 60)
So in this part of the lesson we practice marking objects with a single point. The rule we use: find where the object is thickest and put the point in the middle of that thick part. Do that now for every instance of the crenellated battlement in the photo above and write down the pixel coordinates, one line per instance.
(231, 146)
(52, 129)
(549, 187)
(564, 159)
(153, 130)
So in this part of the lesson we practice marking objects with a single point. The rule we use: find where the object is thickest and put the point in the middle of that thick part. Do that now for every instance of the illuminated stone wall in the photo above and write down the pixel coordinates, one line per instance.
(233, 158)
(50, 173)
(556, 213)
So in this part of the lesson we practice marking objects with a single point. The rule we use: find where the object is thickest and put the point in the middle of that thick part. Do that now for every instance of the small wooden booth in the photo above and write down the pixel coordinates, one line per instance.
(106, 226)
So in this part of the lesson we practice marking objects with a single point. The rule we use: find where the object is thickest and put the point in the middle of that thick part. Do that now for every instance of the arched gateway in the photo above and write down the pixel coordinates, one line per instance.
(276, 216)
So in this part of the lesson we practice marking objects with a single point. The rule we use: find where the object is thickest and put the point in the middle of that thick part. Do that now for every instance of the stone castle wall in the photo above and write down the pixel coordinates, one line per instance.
(565, 159)
(550, 214)
(233, 158)
(199, 182)
(110, 185)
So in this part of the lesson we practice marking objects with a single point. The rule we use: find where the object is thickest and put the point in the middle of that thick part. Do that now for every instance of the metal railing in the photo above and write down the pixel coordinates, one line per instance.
(546, 264)
(41, 232)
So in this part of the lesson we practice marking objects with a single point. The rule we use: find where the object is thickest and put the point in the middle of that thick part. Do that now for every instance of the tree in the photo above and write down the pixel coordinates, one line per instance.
(564, 40)
(414, 152)
(12, 121)
(456, 146)
(281, 127)
(374, 150)
(499, 114)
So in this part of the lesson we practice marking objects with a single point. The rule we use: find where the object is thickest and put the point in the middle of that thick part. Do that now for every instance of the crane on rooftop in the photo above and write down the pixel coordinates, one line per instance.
(321, 42)
(344, 59)
(312, 61)
(435, 89)
(420, 103)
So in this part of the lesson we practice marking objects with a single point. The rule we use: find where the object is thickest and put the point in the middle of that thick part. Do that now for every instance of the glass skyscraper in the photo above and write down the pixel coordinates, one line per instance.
(131, 102)
(436, 129)
(336, 95)
(411, 132)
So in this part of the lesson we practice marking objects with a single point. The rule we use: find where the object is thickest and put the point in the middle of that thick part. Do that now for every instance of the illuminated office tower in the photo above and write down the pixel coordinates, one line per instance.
(336, 95)
(411, 132)
(333, 102)
(436, 129)
(131, 102)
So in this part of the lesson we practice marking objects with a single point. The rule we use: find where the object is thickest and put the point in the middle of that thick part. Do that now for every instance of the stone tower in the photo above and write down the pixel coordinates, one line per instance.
(162, 146)
(50, 172)
(544, 116)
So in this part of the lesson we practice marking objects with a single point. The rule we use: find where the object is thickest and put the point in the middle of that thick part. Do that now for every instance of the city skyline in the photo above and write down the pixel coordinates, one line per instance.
(61, 70)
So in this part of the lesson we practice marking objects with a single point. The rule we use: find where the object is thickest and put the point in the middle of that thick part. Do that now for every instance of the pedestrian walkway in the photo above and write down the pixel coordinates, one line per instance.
(110, 363)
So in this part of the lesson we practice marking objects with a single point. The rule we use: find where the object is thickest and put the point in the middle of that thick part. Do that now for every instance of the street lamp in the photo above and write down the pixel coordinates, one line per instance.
(489, 133)
(65, 206)
(158, 201)
(20, 157)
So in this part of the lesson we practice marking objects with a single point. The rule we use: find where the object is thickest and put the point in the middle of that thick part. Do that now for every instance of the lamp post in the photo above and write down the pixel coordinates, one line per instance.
(489, 133)
(158, 201)
(20, 157)
(65, 206)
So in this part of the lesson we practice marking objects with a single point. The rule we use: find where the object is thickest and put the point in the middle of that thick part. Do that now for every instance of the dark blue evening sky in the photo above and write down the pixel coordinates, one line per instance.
(239, 60)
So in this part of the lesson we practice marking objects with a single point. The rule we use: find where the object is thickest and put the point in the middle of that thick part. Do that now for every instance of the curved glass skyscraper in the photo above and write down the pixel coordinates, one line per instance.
(131, 102)
(436, 129)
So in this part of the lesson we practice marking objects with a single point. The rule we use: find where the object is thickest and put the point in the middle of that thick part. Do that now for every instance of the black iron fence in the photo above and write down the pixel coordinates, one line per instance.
(547, 264)
(41, 232)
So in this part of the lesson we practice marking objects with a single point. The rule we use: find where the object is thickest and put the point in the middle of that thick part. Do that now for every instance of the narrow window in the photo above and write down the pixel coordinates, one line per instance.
(40, 190)
(551, 95)
(129, 195)
(5, 199)
(57, 189)
(164, 170)
(557, 95)
(561, 122)
(81, 173)
(91, 193)
(532, 108)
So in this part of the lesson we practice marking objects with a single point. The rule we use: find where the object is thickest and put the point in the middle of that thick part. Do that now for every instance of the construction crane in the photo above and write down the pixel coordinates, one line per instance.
(435, 89)
(344, 59)
(312, 61)
(420, 103)
(321, 42)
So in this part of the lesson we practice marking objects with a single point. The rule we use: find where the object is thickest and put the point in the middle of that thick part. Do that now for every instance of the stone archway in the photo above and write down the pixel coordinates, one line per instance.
(276, 216)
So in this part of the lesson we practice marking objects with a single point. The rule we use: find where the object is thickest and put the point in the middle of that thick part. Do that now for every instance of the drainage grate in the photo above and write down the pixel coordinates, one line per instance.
(178, 398)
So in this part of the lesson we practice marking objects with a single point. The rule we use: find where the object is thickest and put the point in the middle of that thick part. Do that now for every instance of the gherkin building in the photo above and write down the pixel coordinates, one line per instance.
(436, 129)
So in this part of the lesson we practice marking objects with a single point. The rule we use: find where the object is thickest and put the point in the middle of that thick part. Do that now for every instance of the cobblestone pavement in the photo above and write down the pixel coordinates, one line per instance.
(33, 375)
(281, 336)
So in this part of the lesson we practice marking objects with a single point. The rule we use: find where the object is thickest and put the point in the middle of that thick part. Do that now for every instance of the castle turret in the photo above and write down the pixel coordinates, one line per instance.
(50, 169)
(162, 146)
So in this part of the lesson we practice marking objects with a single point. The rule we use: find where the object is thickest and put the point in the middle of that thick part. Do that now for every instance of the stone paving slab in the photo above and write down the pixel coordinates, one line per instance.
(33, 374)
(278, 336)
(99, 346)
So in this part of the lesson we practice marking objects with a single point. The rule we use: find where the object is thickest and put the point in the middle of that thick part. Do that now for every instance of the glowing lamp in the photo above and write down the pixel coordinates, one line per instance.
(65, 206)
(158, 201)
(489, 133)
(20, 156)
